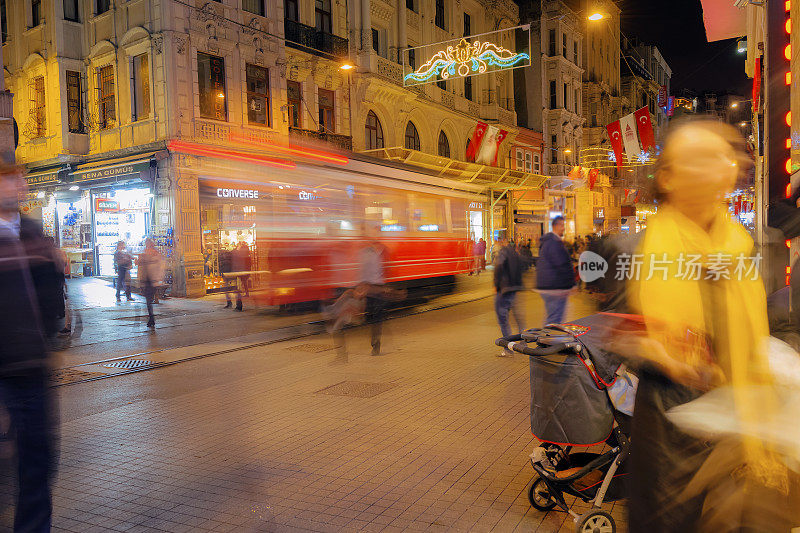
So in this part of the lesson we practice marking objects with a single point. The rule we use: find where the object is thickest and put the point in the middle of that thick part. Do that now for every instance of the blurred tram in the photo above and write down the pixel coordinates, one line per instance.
(303, 226)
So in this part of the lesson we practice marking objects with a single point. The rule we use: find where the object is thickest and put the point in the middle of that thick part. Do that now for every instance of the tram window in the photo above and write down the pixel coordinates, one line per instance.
(458, 214)
(427, 214)
(388, 209)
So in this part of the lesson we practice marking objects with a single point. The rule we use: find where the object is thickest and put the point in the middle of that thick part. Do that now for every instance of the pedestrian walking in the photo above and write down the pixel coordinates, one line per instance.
(704, 333)
(24, 390)
(555, 276)
(151, 275)
(123, 262)
(372, 260)
(481, 253)
(240, 262)
(508, 270)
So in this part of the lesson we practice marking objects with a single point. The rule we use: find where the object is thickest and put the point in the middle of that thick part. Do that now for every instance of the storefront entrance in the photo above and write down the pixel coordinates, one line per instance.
(120, 215)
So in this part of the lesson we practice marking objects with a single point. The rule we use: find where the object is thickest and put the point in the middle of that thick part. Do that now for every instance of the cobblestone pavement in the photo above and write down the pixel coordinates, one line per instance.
(433, 435)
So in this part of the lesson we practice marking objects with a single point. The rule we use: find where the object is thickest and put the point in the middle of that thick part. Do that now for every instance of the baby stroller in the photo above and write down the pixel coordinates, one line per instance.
(575, 386)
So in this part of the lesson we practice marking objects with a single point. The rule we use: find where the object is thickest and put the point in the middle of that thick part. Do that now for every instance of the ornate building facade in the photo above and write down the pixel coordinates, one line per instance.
(103, 91)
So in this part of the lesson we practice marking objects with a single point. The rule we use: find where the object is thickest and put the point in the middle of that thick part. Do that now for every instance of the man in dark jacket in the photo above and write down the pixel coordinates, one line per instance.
(508, 269)
(23, 369)
(555, 276)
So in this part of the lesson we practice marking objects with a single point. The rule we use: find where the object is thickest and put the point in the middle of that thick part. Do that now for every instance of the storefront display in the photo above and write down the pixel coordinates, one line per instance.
(120, 215)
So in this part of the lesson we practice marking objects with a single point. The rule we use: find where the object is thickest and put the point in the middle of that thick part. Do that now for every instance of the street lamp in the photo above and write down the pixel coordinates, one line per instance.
(734, 105)
(567, 150)
(347, 66)
(596, 16)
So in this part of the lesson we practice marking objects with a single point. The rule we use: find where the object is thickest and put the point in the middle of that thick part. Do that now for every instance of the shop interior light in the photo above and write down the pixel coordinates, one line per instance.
(741, 46)
(40, 194)
(74, 188)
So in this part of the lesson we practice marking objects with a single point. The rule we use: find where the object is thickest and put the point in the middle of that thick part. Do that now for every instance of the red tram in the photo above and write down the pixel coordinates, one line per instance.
(302, 227)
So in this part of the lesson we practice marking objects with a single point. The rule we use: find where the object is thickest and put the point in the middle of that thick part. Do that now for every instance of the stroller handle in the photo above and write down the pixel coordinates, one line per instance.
(512, 343)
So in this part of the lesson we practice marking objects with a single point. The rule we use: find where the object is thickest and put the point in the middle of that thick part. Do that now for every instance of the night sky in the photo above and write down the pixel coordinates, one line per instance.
(676, 27)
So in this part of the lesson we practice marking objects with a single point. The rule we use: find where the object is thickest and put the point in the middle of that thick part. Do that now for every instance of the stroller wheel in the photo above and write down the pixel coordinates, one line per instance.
(539, 496)
(597, 522)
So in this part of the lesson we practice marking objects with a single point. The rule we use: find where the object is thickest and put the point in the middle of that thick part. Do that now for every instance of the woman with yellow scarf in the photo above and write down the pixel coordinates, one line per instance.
(694, 281)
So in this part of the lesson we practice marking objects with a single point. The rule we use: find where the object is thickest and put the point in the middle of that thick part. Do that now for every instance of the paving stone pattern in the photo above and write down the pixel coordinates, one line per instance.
(444, 448)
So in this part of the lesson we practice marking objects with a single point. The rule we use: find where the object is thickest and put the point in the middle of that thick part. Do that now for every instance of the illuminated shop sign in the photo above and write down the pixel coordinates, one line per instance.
(104, 205)
(467, 56)
(237, 193)
(129, 170)
(476, 205)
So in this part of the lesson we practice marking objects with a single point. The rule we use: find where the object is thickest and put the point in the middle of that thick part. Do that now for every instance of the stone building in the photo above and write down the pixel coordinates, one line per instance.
(103, 91)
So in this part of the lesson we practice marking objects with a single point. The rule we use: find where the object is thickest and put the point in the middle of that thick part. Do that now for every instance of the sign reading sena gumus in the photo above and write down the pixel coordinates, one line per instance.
(109, 172)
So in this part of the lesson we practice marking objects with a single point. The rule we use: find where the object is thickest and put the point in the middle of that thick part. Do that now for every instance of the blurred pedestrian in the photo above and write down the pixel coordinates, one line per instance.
(123, 261)
(151, 275)
(507, 284)
(555, 275)
(372, 260)
(240, 263)
(24, 389)
(701, 332)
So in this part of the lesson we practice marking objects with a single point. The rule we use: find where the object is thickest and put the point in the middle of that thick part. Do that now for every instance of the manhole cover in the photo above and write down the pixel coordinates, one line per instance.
(65, 376)
(312, 347)
(129, 363)
(356, 389)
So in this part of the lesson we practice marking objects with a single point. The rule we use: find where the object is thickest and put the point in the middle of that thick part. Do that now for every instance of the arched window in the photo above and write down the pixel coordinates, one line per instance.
(412, 137)
(373, 132)
(444, 145)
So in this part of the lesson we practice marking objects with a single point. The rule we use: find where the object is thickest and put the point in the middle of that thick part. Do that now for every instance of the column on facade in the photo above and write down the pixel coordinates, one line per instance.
(366, 33)
(402, 38)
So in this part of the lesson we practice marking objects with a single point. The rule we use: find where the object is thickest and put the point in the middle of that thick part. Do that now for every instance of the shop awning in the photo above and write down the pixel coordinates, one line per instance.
(474, 173)
(117, 169)
(723, 20)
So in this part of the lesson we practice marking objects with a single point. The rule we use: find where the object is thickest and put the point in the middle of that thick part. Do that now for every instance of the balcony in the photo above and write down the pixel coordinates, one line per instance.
(344, 142)
(308, 39)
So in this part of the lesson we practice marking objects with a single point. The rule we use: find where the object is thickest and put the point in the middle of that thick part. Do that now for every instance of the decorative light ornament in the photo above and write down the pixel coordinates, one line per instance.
(465, 59)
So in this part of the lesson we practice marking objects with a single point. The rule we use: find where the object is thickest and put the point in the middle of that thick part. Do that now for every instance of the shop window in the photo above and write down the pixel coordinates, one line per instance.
(468, 88)
(74, 103)
(439, 15)
(258, 102)
(327, 100)
(294, 97)
(101, 6)
(412, 137)
(38, 113)
(253, 6)
(141, 87)
(211, 84)
(467, 25)
(107, 112)
(444, 145)
(36, 13)
(290, 10)
(373, 132)
(322, 15)
(71, 10)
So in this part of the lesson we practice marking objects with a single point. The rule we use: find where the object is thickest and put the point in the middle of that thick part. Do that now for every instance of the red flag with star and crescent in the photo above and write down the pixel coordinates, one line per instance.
(645, 127)
(615, 136)
(477, 139)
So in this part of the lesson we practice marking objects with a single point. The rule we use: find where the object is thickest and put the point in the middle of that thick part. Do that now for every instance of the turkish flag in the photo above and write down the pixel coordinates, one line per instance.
(593, 173)
(500, 138)
(615, 136)
(575, 173)
(475, 143)
(645, 127)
